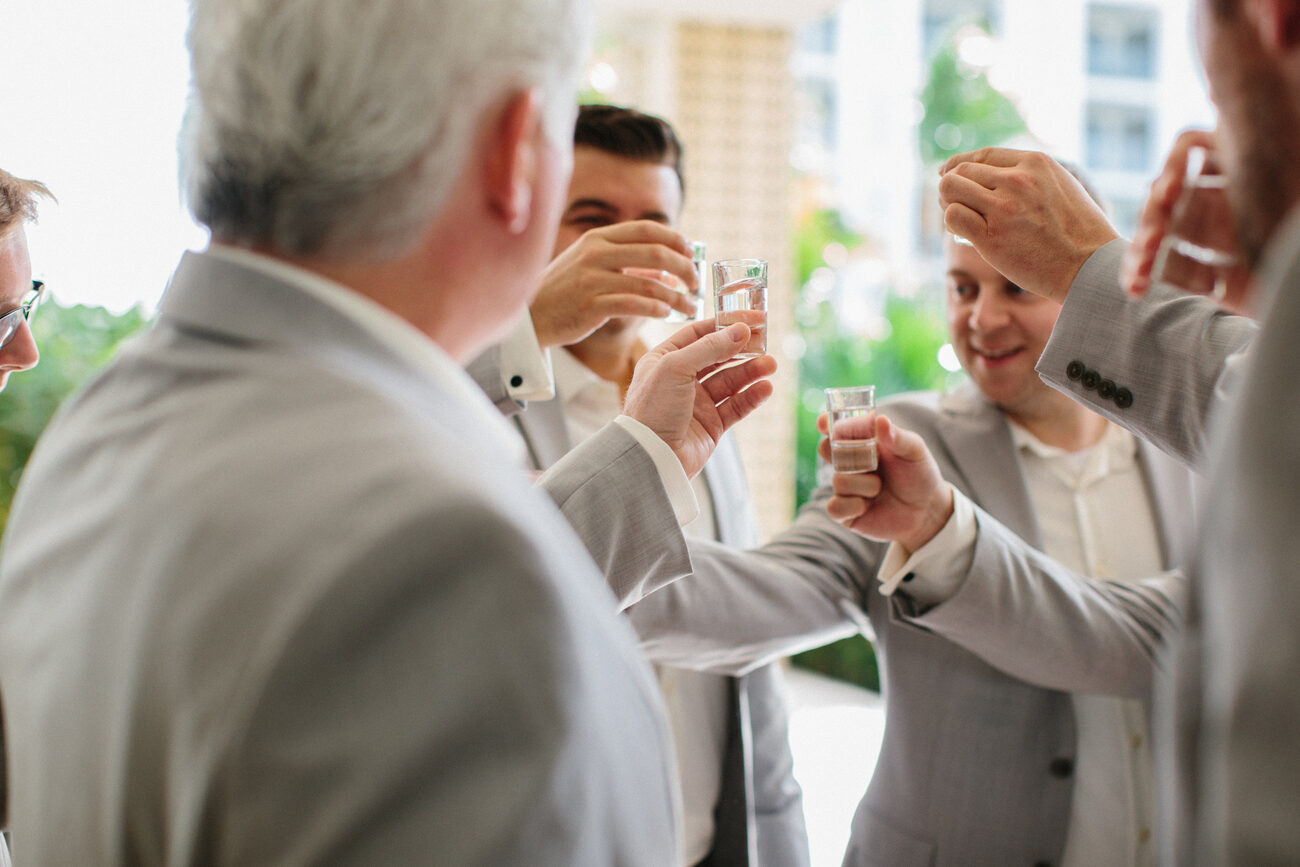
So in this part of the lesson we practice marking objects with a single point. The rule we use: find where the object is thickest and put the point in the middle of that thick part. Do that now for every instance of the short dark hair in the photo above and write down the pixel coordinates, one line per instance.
(626, 132)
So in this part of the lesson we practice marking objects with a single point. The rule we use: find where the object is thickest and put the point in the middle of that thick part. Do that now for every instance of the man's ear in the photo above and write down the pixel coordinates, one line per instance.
(1278, 22)
(512, 160)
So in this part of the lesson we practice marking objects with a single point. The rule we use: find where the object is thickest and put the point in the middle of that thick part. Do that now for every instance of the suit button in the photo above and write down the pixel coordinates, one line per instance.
(1105, 389)
(516, 381)
(1123, 398)
(1091, 379)
(1075, 369)
(1042, 864)
(1061, 768)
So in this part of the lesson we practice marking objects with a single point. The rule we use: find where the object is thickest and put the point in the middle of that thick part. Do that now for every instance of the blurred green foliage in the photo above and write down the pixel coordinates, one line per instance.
(74, 343)
(963, 111)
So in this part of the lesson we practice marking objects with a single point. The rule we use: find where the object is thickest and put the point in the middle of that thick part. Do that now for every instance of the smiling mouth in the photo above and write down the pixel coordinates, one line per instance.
(988, 355)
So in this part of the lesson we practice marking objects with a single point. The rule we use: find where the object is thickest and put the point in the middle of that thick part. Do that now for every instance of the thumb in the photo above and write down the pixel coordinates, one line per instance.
(897, 442)
(713, 348)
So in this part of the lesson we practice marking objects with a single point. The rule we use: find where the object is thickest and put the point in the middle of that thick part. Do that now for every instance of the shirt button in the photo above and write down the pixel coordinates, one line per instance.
(1144, 835)
(1136, 741)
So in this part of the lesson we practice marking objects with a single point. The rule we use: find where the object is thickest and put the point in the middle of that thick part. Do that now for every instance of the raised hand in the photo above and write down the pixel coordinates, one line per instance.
(1026, 215)
(585, 285)
(679, 392)
(1154, 224)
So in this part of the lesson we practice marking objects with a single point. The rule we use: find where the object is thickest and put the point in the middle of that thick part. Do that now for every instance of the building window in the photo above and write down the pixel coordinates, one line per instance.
(1119, 137)
(1122, 41)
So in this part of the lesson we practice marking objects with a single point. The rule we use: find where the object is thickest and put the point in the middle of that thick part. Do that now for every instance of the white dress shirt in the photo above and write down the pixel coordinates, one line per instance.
(696, 702)
(1094, 517)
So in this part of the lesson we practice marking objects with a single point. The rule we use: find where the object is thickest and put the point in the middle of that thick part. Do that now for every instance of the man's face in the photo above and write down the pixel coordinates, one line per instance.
(998, 331)
(607, 189)
(1258, 122)
(15, 285)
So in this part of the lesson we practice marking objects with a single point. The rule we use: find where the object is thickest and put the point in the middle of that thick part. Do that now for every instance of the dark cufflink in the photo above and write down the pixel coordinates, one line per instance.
(909, 576)
(1105, 389)
(1091, 379)
(1074, 369)
(516, 381)
(1123, 398)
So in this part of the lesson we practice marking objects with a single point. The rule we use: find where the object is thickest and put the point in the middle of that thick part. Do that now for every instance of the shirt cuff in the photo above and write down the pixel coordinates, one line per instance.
(525, 366)
(676, 482)
(934, 571)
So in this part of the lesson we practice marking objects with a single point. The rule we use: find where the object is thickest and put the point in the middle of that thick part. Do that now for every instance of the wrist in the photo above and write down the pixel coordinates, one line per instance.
(937, 515)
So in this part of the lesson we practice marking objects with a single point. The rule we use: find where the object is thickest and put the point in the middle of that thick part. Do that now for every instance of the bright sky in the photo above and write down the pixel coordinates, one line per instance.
(91, 106)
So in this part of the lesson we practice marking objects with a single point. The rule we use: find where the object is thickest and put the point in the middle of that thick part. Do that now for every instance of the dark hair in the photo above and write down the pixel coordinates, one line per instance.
(626, 132)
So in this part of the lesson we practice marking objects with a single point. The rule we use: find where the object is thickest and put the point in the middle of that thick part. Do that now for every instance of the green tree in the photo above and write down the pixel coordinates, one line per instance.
(74, 342)
(963, 111)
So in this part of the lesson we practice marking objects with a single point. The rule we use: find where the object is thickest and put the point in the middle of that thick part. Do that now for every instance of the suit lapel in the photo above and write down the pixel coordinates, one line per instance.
(545, 432)
(979, 444)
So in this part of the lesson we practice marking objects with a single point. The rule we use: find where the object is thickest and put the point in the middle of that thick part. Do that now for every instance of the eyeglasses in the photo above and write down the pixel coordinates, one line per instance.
(10, 322)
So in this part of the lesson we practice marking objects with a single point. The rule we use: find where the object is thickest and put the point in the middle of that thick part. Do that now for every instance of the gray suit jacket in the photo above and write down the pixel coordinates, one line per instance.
(1231, 782)
(976, 764)
(266, 599)
(759, 816)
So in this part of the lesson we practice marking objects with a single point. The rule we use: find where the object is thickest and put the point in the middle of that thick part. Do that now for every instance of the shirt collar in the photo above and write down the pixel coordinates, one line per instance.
(1117, 448)
(413, 345)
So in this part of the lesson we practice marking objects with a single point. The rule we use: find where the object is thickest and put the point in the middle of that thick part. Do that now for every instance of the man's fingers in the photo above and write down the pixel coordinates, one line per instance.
(959, 189)
(846, 510)
(651, 284)
(865, 485)
(737, 407)
(1004, 157)
(711, 348)
(900, 443)
(965, 223)
(643, 259)
(613, 306)
(645, 232)
(729, 380)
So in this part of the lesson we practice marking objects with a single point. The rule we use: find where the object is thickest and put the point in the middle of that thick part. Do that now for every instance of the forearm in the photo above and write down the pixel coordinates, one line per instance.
(1164, 355)
(1034, 619)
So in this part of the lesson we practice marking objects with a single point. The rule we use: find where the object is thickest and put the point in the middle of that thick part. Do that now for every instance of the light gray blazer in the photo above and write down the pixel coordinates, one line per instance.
(759, 817)
(976, 766)
(265, 599)
(1231, 783)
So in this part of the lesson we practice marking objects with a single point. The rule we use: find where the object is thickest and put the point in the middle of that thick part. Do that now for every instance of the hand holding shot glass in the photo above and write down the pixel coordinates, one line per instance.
(667, 278)
(740, 295)
(1199, 251)
(851, 423)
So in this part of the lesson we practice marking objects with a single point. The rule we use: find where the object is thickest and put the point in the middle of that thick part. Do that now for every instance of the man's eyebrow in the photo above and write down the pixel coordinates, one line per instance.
(600, 204)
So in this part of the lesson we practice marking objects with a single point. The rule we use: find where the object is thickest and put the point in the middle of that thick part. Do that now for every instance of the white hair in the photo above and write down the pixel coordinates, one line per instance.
(337, 127)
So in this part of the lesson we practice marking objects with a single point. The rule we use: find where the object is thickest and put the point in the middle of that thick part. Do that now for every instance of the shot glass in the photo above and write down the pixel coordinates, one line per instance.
(698, 252)
(740, 295)
(1198, 253)
(851, 419)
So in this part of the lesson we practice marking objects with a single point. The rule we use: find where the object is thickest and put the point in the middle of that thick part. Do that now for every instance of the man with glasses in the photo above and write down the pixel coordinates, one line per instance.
(19, 293)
